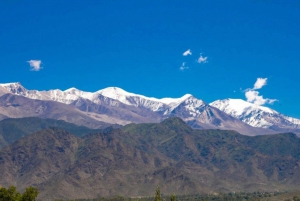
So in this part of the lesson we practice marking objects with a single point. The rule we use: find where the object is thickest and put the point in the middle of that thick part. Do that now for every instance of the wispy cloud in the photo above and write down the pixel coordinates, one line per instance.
(35, 65)
(202, 59)
(183, 67)
(260, 82)
(188, 52)
(253, 96)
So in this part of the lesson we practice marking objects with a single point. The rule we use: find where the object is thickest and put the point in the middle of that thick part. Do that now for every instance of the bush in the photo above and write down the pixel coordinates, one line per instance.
(11, 194)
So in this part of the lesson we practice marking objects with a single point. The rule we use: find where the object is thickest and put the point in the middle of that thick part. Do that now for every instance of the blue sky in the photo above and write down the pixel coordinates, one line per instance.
(139, 45)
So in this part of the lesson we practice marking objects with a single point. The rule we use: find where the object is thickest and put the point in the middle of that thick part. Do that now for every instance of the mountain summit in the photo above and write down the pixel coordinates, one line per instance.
(257, 116)
(116, 106)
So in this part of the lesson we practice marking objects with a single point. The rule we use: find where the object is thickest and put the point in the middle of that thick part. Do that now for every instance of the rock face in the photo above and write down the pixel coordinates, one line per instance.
(14, 106)
(116, 106)
(135, 159)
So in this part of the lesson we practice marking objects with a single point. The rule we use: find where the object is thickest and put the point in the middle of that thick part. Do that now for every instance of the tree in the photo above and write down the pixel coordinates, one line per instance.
(173, 197)
(30, 194)
(10, 194)
(296, 198)
(157, 194)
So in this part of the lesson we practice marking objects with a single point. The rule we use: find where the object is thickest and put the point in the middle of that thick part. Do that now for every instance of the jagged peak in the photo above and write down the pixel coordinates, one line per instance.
(14, 87)
(11, 84)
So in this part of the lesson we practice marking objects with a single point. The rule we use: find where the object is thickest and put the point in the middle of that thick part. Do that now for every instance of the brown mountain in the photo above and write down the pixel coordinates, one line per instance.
(13, 129)
(117, 110)
(133, 160)
(14, 106)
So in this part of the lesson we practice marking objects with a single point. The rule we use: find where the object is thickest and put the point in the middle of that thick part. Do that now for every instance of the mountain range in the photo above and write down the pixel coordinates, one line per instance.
(113, 105)
(135, 159)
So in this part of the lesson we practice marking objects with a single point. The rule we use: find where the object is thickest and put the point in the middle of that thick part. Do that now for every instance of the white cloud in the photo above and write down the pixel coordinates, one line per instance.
(260, 82)
(183, 67)
(253, 96)
(35, 65)
(202, 59)
(188, 52)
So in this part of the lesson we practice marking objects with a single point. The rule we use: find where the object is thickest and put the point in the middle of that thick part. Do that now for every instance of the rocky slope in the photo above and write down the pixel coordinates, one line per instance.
(12, 130)
(134, 160)
(14, 106)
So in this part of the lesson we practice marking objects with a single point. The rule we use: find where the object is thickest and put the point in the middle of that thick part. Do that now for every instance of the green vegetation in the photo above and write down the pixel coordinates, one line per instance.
(13, 129)
(11, 194)
(242, 196)
(157, 194)
(172, 197)
(129, 160)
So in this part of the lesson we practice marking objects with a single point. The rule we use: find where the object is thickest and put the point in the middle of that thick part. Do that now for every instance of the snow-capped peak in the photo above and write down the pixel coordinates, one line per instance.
(187, 105)
(72, 94)
(72, 89)
(175, 100)
(238, 106)
(131, 98)
(254, 115)
(117, 94)
(12, 85)
(15, 87)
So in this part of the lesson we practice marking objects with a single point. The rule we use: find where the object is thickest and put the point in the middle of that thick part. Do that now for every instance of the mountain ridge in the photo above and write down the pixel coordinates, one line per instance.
(69, 95)
(12, 130)
(115, 105)
(135, 159)
(257, 116)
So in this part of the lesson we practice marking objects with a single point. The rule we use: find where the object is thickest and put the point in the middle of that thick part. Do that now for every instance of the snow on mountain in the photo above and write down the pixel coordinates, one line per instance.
(3, 90)
(117, 103)
(57, 95)
(187, 107)
(254, 115)
(154, 104)
(18, 89)
(293, 120)
(194, 106)
(70, 95)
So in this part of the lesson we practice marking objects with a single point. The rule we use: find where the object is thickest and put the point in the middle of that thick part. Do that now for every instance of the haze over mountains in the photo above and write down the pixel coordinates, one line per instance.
(115, 106)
